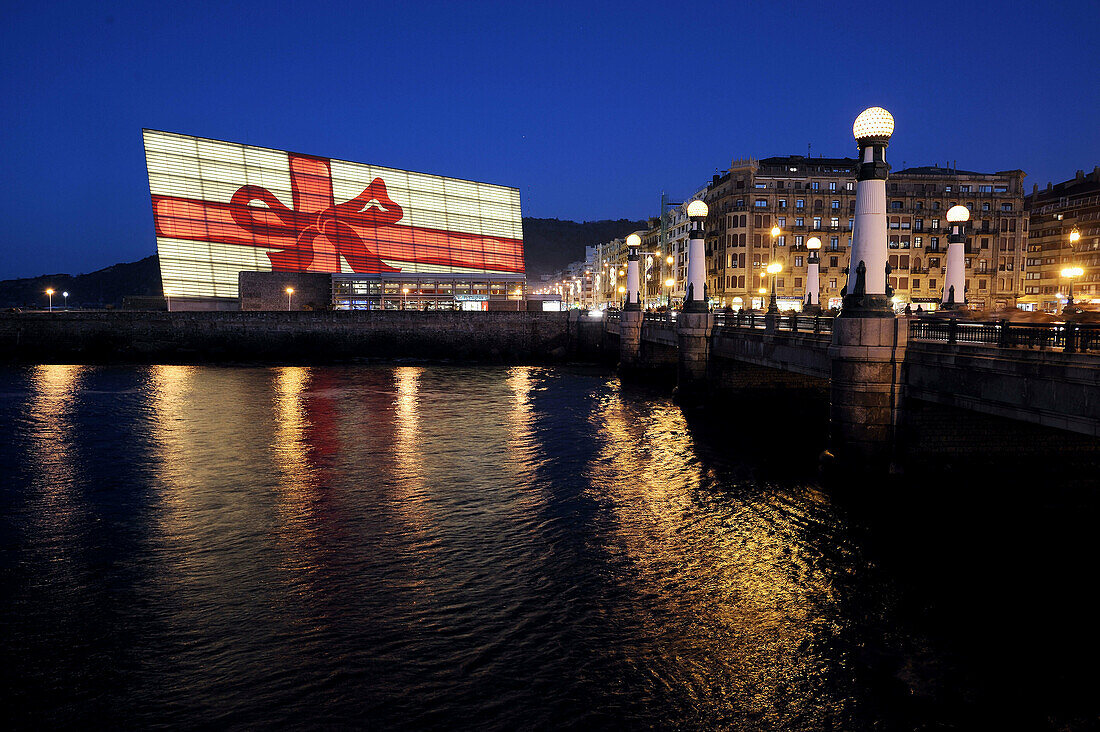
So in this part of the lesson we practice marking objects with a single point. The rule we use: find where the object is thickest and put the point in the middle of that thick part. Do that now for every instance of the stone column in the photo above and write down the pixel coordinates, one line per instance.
(633, 291)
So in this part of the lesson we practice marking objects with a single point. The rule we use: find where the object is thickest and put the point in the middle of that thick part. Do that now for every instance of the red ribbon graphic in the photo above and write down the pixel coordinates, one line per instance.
(317, 232)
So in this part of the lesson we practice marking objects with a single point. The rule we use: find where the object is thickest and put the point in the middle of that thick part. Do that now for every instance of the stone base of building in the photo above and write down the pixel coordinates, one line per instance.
(693, 331)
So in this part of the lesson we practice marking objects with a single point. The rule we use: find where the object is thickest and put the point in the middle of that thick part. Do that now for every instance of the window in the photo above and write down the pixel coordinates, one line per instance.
(832, 283)
(832, 185)
(799, 221)
(740, 203)
(800, 203)
(918, 242)
(985, 189)
(895, 205)
(985, 205)
(815, 185)
(964, 189)
(947, 189)
(1006, 206)
(761, 203)
(916, 283)
(761, 185)
(935, 224)
(781, 221)
(798, 240)
(834, 223)
(1000, 189)
(918, 224)
(848, 186)
(798, 261)
(835, 205)
(797, 283)
(834, 243)
(781, 241)
(935, 205)
(834, 261)
(851, 224)
(931, 284)
(782, 203)
(817, 222)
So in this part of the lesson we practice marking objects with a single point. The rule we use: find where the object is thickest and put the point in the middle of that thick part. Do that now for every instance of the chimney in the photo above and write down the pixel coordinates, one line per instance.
(1080, 176)
(1034, 189)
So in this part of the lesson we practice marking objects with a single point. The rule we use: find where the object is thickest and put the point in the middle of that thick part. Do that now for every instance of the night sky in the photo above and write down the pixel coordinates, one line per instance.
(591, 109)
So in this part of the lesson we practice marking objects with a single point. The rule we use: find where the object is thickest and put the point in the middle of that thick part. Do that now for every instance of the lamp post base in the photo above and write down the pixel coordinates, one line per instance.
(866, 306)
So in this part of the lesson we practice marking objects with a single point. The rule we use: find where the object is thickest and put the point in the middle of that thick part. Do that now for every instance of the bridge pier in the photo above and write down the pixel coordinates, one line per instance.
(630, 339)
(865, 399)
(693, 331)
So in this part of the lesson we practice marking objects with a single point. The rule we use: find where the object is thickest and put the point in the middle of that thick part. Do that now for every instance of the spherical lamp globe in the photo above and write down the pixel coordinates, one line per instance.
(958, 214)
(873, 122)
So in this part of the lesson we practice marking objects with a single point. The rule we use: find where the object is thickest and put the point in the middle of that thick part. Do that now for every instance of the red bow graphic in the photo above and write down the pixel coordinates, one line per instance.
(322, 229)
(318, 232)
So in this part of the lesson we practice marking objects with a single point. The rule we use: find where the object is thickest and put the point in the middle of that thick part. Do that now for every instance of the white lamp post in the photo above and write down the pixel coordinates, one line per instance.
(289, 295)
(954, 280)
(813, 287)
(66, 296)
(49, 294)
(774, 269)
(168, 297)
(695, 299)
(866, 292)
(633, 295)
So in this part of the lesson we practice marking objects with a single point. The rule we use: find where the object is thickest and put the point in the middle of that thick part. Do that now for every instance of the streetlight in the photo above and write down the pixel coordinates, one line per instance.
(866, 287)
(289, 294)
(774, 269)
(633, 281)
(66, 296)
(1069, 273)
(813, 287)
(168, 297)
(404, 298)
(695, 299)
(954, 280)
(49, 293)
(669, 283)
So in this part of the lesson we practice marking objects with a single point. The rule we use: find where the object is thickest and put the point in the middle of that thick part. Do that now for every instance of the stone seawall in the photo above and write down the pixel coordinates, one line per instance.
(285, 336)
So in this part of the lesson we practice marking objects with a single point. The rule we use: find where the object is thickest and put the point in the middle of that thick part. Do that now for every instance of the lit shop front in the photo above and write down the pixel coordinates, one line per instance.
(498, 291)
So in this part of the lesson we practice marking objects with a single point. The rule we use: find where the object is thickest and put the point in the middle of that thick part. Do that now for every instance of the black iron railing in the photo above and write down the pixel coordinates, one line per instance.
(1070, 336)
(789, 322)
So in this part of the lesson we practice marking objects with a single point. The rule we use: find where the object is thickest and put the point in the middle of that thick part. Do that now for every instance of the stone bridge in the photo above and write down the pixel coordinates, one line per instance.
(882, 375)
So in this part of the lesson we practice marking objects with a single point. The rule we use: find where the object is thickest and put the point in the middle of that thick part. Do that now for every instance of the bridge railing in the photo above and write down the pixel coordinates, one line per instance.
(613, 315)
(1071, 337)
(791, 323)
(667, 318)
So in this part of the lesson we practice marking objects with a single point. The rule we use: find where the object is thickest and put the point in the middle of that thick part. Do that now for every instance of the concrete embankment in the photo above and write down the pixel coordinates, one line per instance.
(291, 336)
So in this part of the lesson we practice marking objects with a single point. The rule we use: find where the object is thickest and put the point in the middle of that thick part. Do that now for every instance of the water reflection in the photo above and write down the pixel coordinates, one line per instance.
(727, 607)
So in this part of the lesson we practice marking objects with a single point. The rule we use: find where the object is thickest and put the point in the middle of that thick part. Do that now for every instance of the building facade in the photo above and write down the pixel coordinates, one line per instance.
(1054, 214)
(815, 197)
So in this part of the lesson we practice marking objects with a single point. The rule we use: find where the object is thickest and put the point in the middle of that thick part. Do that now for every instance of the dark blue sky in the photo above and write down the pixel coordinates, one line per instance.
(591, 109)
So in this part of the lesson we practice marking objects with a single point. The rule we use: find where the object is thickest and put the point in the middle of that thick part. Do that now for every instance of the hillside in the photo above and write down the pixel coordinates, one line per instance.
(549, 244)
(94, 290)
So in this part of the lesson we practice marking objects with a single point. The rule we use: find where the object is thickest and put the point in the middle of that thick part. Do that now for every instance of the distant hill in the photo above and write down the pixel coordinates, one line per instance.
(95, 290)
(549, 245)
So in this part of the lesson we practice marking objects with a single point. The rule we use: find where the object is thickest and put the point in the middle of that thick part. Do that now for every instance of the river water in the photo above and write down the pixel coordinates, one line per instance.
(442, 546)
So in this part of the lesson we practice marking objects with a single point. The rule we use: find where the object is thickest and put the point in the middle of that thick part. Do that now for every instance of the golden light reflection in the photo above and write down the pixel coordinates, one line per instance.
(520, 422)
(297, 485)
(50, 411)
(408, 444)
(745, 630)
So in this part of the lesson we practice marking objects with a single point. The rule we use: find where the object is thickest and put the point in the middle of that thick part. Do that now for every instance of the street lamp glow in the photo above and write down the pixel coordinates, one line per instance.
(697, 209)
(775, 268)
(1074, 236)
(873, 122)
(289, 295)
(763, 291)
(621, 289)
(669, 259)
(958, 214)
(669, 282)
(49, 293)
(1072, 272)
(634, 241)
(775, 231)
(813, 243)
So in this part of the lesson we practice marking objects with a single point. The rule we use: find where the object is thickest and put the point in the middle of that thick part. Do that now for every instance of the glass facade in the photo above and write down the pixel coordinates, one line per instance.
(220, 208)
(425, 292)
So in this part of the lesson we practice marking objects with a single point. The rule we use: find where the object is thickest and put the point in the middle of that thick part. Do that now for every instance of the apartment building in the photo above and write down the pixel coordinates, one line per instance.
(806, 197)
(1054, 214)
